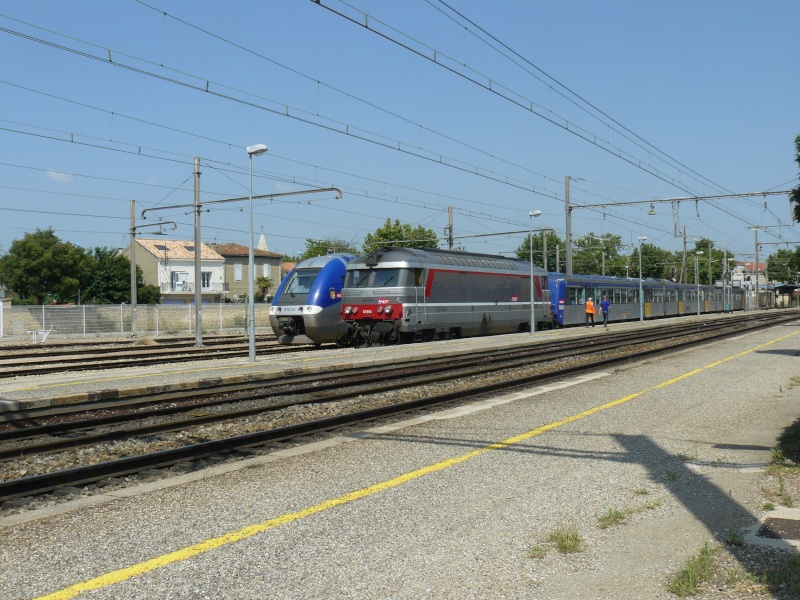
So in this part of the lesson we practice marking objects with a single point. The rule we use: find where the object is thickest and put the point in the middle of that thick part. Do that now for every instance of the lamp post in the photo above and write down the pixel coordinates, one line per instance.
(532, 214)
(697, 277)
(252, 151)
(641, 294)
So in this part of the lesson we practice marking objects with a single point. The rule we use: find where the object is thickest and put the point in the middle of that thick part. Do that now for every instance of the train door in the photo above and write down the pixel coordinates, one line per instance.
(558, 299)
(421, 308)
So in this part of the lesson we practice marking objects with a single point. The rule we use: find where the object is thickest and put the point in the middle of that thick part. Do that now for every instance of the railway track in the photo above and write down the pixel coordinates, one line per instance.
(360, 398)
(93, 359)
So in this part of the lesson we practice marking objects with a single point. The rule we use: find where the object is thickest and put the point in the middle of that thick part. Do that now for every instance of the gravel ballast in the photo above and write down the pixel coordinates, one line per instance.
(682, 458)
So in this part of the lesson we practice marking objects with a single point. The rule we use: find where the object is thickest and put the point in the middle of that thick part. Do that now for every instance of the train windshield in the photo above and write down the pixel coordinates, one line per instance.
(299, 284)
(361, 278)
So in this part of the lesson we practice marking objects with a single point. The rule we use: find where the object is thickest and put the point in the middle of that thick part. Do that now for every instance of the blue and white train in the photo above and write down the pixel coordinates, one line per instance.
(305, 309)
(662, 298)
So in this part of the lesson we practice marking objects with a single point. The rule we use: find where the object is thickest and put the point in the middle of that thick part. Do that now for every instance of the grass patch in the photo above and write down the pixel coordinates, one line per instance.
(768, 506)
(612, 517)
(537, 552)
(778, 457)
(641, 492)
(672, 475)
(654, 503)
(567, 539)
(733, 537)
(697, 570)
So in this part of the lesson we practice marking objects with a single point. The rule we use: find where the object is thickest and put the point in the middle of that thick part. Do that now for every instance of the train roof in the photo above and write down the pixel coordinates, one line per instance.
(391, 255)
(599, 280)
(318, 262)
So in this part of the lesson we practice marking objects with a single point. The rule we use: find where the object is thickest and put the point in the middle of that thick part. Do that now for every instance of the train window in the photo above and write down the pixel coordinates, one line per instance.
(417, 277)
(574, 295)
(301, 281)
(387, 278)
(357, 278)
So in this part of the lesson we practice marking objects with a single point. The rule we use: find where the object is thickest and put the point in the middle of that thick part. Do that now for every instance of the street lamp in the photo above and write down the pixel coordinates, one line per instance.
(252, 151)
(697, 278)
(641, 294)
(532, 214)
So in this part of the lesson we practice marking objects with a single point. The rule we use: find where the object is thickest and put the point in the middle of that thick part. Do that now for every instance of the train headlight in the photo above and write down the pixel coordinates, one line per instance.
(380, 310)
(348, 310)
(309, 308)
(388, 310)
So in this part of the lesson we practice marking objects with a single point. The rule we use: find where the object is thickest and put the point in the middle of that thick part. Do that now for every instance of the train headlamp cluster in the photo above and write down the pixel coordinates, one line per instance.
(381, 310)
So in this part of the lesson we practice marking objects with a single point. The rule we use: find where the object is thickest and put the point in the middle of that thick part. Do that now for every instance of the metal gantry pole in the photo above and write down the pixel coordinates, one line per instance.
(641, 291)
(531, 215)
(133, 268)
(697, 279)
(568, 236)
(198, 270)
(530, 241)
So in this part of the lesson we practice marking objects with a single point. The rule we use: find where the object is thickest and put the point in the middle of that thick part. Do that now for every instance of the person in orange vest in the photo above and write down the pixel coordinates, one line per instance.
(589, 311)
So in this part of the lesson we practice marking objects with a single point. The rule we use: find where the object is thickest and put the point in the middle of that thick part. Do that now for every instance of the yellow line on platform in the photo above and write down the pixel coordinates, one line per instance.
(247, 532)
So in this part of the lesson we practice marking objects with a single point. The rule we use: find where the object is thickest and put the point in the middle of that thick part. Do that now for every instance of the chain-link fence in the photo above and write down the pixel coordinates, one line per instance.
(114, 320)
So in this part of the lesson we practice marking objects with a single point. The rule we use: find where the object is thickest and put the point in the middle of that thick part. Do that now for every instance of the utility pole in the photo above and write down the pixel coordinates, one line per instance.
(684, 276)
(755, 264)
(449, 227)
(198, 276)
(544, 248)
(133, 268)
(568, 237)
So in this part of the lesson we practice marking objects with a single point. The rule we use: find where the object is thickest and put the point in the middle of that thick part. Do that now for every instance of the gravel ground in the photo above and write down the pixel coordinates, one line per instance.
(676, 460)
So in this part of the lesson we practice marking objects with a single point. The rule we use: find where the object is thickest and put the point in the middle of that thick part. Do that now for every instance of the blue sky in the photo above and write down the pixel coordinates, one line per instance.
(104, 102)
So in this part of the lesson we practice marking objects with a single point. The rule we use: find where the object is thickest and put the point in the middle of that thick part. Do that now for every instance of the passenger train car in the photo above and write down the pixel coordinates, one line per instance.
(662, 298)
(394, 295)
(305, 309)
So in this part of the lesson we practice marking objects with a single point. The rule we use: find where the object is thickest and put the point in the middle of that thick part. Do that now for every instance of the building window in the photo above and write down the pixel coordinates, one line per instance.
(237, 272)
(266, 268)
(206, 279)
(180, 281)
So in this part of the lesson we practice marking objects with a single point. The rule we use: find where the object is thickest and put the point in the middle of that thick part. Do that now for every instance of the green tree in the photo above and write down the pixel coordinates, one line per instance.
(655, 262)
(262, 285)
(111, 280)
(402, 235)
(794, 195)
(705, 246)
(598, 254)
(523, 252)
(41, 268)
(783, 266)
(322, 247)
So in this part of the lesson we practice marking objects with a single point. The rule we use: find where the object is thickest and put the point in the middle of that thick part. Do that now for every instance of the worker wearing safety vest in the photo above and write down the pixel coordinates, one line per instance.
(589, 311)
